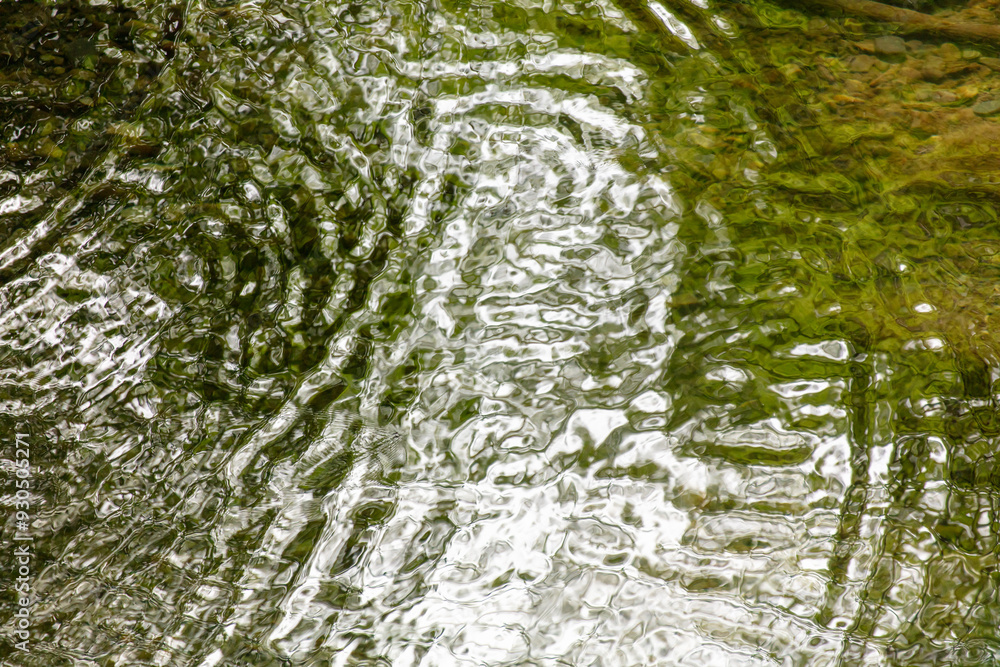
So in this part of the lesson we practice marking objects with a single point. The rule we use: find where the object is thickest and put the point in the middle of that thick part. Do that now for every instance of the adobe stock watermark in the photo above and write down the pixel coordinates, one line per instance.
(22, 544)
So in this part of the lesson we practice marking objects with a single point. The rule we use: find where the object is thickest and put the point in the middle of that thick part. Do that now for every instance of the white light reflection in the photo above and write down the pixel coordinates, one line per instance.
(674, 25)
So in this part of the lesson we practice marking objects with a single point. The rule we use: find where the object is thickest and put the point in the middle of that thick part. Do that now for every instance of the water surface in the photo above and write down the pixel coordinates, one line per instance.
(528, 333)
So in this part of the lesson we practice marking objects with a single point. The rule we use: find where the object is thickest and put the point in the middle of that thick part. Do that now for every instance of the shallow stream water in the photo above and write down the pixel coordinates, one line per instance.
(528, 333)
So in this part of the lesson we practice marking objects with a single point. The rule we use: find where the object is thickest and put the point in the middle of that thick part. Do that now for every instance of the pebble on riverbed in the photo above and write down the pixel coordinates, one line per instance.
(890, 45)
(986, 107)
(862, 63)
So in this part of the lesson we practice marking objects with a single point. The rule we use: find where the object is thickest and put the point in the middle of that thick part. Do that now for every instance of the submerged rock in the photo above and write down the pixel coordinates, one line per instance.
(862, 63)
(890, 45)
(986, 107)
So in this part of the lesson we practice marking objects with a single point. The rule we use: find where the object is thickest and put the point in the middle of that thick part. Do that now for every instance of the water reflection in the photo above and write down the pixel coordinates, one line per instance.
(497, 334)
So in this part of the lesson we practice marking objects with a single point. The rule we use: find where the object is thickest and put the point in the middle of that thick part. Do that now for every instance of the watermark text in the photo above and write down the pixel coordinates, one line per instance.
(22, 544)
